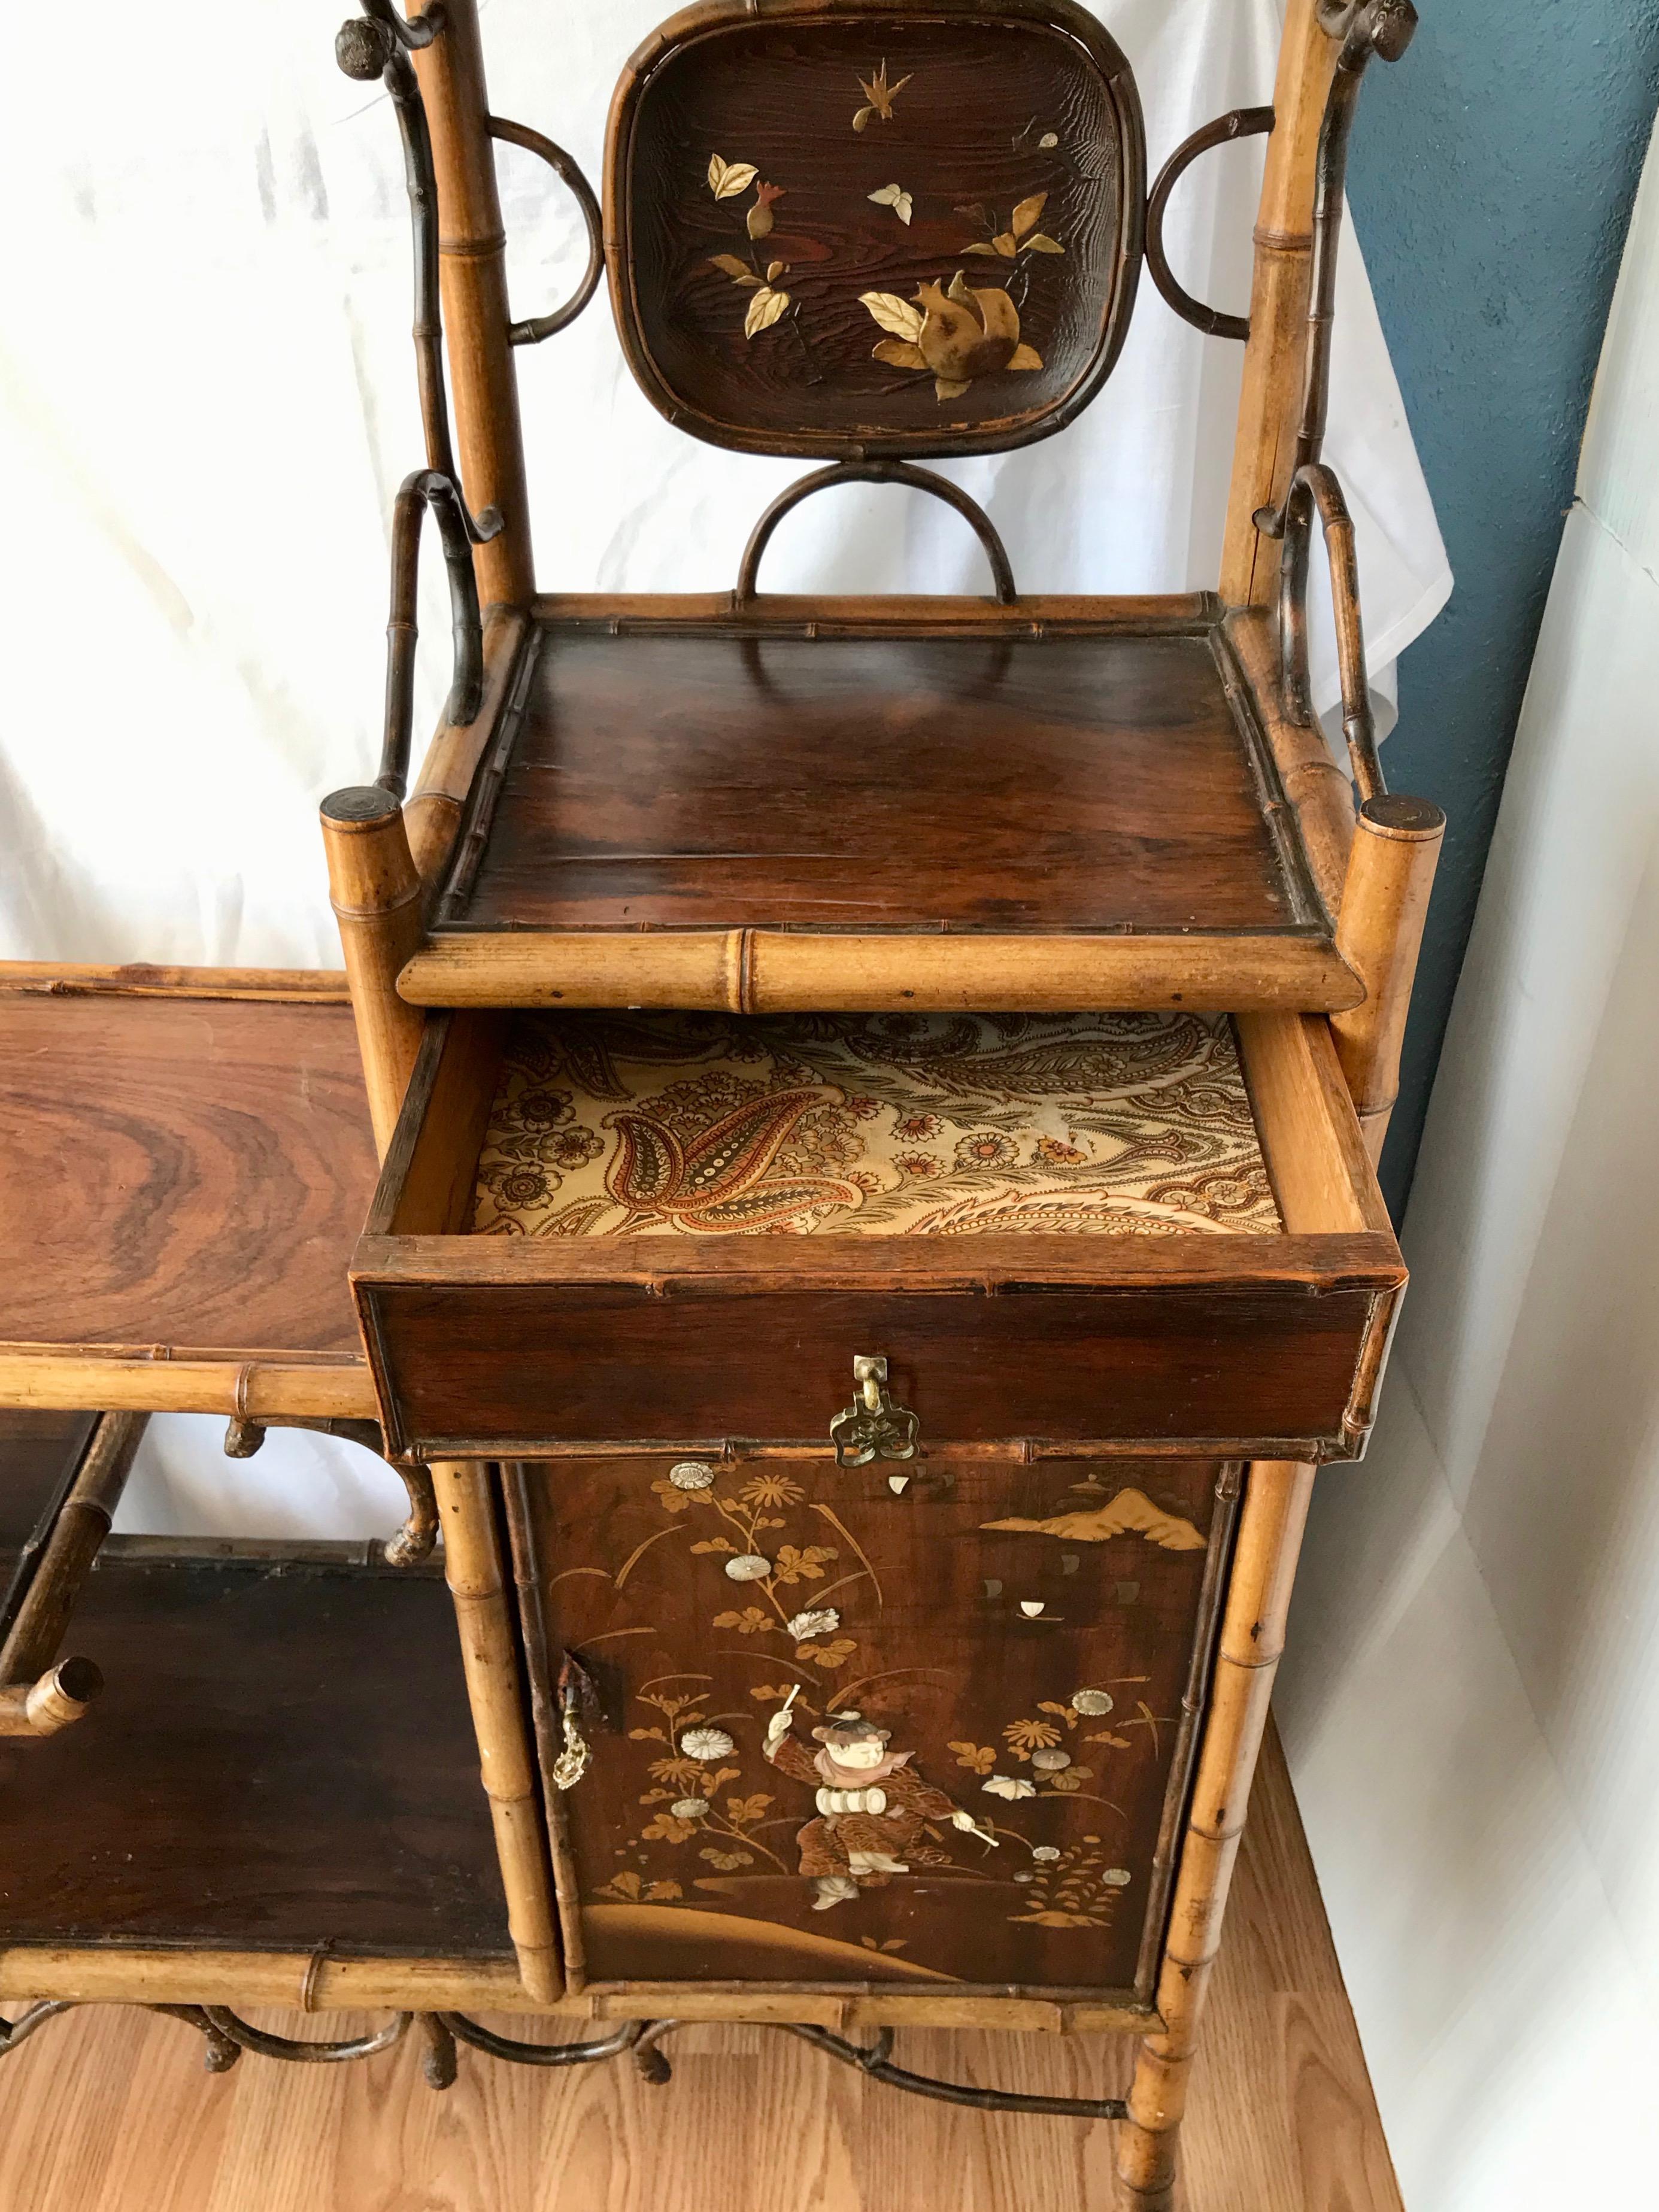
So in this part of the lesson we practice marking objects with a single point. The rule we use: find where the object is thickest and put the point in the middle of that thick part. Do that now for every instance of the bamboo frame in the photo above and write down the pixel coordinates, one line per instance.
(376, 896)
(1270, 401)
(490, 1657)
(37, 1696)
(1247, 1659)
(1396, 849)
(168, 1379)
(333, 1981)
(762, 971)
(472, 270)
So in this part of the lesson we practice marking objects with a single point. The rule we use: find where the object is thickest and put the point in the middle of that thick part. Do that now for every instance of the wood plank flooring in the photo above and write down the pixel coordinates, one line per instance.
(108, 2110)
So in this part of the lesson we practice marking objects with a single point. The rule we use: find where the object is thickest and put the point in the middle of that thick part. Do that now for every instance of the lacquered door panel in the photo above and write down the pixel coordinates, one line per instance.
(1027, 1636)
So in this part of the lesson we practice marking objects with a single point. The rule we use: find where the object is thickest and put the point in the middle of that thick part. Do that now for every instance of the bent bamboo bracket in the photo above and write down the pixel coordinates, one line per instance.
(414, 1541)
(39, 1694)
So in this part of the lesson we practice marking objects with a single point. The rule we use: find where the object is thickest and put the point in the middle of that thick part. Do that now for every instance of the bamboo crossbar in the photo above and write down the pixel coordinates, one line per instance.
(165, 1379)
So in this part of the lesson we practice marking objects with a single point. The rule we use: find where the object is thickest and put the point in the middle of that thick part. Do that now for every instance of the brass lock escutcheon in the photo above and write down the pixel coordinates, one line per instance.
(872, 1426)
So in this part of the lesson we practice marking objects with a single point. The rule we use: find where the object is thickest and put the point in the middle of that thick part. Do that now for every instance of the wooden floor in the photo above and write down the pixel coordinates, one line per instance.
(108, 2110)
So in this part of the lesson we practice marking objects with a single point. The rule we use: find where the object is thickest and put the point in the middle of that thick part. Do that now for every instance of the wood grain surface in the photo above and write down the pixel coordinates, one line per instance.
(989, 130)
(180, 1171)
(282, 1758)
(688, 780)
(109, 2110)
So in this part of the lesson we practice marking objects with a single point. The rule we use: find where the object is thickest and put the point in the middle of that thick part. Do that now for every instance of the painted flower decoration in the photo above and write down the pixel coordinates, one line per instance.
(1117, 1877)
(1009, 1786)
(1050, 1762)
(748, 1567)
(1044, 1852)
(1092, 1703)
(689, 1809)
(697, 1474)
(966, 331)
(824, 1621)
(706, 1743)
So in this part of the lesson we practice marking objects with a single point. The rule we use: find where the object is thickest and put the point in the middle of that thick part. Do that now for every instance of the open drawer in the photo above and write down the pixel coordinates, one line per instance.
(1031, 1232)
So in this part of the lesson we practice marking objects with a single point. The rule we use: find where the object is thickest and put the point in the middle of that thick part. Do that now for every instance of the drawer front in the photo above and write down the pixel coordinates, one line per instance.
(1015, 1644)
(1275, 1369)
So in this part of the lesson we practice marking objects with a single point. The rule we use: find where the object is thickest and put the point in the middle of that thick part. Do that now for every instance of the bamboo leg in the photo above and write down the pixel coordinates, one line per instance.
(1252, 1638)
(472, 270)
(376, 896)
(1385, 901)
(473, 1569)
(1273, 355)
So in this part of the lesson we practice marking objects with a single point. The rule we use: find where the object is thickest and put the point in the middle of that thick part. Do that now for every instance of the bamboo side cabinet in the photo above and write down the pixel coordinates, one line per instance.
(857, 1118)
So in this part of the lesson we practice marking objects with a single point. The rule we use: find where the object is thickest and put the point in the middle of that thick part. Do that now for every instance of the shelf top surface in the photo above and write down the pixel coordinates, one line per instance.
(1038, 779)
(180, 1171)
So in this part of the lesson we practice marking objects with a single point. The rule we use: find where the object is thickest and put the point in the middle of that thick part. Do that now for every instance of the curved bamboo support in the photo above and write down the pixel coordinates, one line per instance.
(1252, 1640)
(899, 472)
(428, 491)
(1240, 123)
(473, 1568)
(376, 896)
(1391, 866)
(1315, 489)
(535, 328)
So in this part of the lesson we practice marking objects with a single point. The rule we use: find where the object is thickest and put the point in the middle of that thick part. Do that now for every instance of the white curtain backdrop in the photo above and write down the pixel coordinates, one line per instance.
(207, 401)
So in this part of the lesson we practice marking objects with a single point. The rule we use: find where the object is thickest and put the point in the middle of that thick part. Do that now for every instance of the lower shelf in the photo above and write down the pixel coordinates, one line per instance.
(283, 1761)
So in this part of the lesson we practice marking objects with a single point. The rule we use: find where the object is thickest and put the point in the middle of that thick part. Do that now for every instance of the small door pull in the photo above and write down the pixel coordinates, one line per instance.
(872, 1426)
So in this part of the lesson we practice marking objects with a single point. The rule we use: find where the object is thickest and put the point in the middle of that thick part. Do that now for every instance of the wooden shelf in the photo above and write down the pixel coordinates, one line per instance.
(925, 803)
(282, 1758)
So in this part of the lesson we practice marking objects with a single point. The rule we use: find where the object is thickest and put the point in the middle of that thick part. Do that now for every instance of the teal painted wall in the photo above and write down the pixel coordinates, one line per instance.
(1492, 177)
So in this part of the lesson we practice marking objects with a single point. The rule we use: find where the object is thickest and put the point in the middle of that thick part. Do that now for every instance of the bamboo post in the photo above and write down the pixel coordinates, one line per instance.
(1379, 932)
(376, 896)
(1247, 1659)
(473, 1570)
(472, 268)
(1265, 447)
(36, 1697)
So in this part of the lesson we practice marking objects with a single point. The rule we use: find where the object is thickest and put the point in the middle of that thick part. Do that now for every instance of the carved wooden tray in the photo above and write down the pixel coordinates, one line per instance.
(875, 230)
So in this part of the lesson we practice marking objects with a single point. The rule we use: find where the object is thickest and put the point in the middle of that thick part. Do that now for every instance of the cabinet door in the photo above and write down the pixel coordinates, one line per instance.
(992, 1674)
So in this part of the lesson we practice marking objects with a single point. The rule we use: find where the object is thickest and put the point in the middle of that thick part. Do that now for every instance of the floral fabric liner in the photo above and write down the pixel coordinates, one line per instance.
(619, 1125)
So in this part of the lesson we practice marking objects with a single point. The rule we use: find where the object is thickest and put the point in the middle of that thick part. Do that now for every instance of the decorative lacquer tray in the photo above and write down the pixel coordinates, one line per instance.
(870, 231)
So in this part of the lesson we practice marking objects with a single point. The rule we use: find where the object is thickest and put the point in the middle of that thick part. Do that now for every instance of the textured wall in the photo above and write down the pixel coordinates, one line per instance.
(1491, 180)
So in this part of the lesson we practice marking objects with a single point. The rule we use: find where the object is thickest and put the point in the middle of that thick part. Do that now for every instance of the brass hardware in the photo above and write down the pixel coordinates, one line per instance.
(575, 1691)
(872, 1426)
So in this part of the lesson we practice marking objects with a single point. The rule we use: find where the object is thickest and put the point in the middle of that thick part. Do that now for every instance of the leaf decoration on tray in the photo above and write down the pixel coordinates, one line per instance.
(957, 334)
(1022, 235)
(895, 197)
(768, 303)
(727, 178)
(879, 96)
